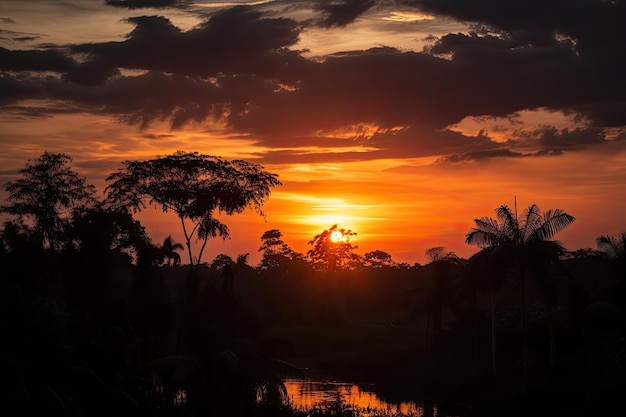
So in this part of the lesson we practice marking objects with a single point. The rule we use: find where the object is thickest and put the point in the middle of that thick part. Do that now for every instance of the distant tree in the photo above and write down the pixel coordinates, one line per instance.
(512, 244)
(242, 259)
(275, 251)
(378, 259)
(615, 249)
(224, 263)
(220, 261)
(169, 248)
(195, 187)
(438, 253)
(46, 195)
(332, 254)
(98, 231)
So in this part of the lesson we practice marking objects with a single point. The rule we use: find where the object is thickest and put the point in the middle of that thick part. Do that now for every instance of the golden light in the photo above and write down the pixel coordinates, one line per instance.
(337, 236)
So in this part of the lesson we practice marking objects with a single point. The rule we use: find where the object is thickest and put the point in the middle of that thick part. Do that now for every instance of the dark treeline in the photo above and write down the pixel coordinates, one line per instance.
(99, 320)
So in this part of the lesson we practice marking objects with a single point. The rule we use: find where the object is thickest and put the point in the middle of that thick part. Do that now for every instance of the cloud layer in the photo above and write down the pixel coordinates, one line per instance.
(241, 68)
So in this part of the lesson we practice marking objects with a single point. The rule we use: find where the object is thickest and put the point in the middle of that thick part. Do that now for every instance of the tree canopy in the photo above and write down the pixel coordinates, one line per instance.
(46, 195)
(333, 255)
(194, 186)
(275, 250)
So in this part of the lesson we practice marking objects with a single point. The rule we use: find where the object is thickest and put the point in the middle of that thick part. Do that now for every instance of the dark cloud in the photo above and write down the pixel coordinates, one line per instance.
(480, 156)
(340, 13)
(239, 67)
(7, 20)
(35, 60)
(552, 139)
(236, 40)
(139, 4)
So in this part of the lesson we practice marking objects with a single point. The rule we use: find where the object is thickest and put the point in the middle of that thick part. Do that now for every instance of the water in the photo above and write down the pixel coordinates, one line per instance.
(310, 394)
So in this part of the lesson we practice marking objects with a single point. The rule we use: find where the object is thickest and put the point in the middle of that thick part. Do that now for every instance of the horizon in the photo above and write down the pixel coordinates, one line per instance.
(401, 122)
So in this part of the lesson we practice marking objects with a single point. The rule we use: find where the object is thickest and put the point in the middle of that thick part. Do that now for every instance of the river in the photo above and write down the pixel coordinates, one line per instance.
(307, 395)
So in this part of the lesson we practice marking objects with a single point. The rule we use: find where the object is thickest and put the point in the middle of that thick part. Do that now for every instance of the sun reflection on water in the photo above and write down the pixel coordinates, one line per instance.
(309, 395)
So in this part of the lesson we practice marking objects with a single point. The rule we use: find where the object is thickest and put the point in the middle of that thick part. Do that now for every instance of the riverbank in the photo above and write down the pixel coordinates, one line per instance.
(458, 378)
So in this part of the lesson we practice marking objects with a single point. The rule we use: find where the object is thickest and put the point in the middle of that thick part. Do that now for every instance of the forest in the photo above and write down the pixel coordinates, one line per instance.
(100, 320)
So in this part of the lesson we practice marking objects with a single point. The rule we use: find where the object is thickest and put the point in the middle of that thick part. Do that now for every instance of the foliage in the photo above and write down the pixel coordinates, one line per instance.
(97, 231)
(378, 259)
(194, 186)
(438, 253)
(332, 256)
(275, 251)
(515, 245)
(168, 250)
(534, 226)
(615, 249)
(46, 195)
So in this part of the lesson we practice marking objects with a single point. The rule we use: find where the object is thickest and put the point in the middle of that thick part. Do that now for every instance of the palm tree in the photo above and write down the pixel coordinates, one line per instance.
(169, 248)
(510, 243)
(615, 249)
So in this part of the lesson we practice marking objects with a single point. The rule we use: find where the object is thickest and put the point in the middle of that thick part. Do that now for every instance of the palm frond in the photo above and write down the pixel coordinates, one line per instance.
(481, 238)
(612, 246)
(531, 222)
(510, 224)
(486, 233)
(553, 222)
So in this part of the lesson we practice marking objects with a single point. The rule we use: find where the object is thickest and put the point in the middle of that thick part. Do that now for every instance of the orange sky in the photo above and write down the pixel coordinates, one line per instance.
(403, 145)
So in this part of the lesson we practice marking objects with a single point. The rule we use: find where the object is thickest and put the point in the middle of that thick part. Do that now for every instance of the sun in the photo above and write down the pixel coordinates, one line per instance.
(337, 236)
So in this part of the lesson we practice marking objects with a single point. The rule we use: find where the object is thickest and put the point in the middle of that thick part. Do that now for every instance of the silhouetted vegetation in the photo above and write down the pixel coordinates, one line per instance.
(97, 320)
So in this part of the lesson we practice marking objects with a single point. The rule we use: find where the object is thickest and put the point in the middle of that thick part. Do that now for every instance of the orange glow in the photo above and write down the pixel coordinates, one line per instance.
(401, 206)
(337, 236)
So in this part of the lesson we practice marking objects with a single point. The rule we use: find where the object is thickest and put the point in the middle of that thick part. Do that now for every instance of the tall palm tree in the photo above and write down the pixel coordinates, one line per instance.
(510, 243)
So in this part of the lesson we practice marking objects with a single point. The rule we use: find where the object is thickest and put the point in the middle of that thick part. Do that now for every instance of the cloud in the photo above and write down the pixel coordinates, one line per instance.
(236, 40)
(584, 41)
(34, 60)
(138, 4)
(480, 155)
(239, 68)
(340, 13)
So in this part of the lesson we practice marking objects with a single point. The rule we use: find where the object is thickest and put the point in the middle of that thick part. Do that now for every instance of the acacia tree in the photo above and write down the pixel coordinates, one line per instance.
(512, 244)
(195, 187)
(46, 195)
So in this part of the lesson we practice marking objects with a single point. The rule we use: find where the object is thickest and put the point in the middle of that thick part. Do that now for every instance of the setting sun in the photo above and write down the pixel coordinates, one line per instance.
(337, 236)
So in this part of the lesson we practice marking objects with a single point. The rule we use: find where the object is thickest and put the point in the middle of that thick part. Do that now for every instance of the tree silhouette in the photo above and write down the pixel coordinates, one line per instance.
(332, 256)
(438, 253)
(195, 187)
(242, 259)
(510, 243)
(275, 251)
(46, 195)
(169, 248)
(378, 259)
(615, 249)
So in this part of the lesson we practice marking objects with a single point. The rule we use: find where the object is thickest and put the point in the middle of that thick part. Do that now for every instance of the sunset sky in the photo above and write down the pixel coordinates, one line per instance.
(400, 120)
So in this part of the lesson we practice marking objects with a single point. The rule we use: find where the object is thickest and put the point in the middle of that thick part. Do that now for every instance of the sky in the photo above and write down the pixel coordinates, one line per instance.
(402, 121)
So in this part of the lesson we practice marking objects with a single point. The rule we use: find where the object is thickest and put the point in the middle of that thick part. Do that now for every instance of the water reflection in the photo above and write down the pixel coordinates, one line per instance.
(308, 395)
